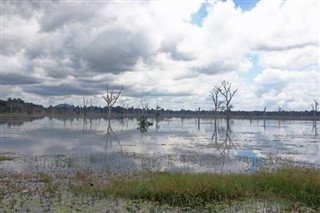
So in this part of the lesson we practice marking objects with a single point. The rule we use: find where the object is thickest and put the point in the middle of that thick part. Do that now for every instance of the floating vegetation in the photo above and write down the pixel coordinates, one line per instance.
(143, 123)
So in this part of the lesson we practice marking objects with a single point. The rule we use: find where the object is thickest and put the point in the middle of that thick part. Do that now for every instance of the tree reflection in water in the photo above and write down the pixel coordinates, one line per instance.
(222, 143)
(111, 136)
(227, 143)
(314, 128)
(85, 124)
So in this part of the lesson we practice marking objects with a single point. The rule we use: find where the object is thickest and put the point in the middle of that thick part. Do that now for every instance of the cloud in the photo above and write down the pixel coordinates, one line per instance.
(60, 90)
(62, 14)
(286, 88)
(17, 79)
(296, 59)
(115, 50)
(171, 46)
(63, 50)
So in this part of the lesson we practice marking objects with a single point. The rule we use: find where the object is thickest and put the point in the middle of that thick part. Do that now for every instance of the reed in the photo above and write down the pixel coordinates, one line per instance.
(295, 185)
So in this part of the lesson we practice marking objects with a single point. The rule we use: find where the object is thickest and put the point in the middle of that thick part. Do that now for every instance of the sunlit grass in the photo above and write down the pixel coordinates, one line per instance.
(295, 185)
(286, 189)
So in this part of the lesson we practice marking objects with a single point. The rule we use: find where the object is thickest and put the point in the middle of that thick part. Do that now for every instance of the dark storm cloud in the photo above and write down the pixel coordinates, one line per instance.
(17, 79)
(60, 90)
(115, 50)
(74, 39)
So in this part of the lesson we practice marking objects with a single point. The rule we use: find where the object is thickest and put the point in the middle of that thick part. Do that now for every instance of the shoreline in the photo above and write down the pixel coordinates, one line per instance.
(151, 116)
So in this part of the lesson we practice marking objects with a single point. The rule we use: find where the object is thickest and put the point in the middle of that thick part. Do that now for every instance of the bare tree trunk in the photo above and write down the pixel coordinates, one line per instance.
(228, 94)
(111, 99)
(199, 118)
(215, 98)
(315, 107)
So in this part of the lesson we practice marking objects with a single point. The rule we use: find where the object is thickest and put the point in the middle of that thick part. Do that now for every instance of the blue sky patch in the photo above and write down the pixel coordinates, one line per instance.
(245, 5)
(255, 69)
(197, 18)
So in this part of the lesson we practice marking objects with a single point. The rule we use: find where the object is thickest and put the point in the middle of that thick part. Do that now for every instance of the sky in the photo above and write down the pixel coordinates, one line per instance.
(168, 53)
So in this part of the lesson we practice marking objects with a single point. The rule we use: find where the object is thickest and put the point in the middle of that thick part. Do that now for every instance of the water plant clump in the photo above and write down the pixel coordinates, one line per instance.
(143, 123)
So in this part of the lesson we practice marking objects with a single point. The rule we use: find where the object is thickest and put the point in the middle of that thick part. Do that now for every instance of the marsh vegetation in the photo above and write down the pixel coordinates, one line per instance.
(82, 190)
(4, 157)
(177, 165)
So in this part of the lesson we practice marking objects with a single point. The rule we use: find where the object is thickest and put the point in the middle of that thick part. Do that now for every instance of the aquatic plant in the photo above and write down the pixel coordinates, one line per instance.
(298, 186)
(143, 123)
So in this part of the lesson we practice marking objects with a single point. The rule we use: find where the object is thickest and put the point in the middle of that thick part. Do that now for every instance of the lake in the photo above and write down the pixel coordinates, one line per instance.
(175, 144)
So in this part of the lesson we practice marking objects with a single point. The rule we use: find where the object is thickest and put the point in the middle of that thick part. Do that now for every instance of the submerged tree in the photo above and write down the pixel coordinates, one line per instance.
(144, 106)
(217, 104)
(227, 94)
(143, 119)
(111, 98)
(315, 107)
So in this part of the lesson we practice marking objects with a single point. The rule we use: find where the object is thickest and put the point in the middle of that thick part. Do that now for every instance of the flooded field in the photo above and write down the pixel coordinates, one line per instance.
(43, 161)
(184, 145)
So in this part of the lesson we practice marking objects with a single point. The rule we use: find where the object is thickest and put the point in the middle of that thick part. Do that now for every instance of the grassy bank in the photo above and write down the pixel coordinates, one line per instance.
(5, 158)
(298, 186)
(283, 190)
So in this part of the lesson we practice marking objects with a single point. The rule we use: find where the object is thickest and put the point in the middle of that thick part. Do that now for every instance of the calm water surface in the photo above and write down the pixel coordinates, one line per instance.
(186, 145)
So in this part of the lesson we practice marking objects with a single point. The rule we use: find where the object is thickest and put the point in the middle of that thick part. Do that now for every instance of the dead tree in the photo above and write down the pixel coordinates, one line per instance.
(315, 107)
(199, 113)
(144, 106)
(217, 104)
(85, 102)
(111, 98)
(228, 94)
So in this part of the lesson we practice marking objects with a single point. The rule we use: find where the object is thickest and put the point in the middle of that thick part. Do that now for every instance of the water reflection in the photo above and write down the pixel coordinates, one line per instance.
(111, 137)
(314, 128)
(221, 145)
(227, 142)
(86, 126)
(157, 124)
(16, 122)
(222, 141)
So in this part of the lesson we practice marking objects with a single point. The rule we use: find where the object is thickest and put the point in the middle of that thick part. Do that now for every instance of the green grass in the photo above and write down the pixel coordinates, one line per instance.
(296, 185)
(5, 158)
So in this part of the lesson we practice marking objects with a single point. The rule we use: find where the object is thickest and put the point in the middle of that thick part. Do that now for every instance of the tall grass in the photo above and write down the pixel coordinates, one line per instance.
(5, 158)
(291, 184)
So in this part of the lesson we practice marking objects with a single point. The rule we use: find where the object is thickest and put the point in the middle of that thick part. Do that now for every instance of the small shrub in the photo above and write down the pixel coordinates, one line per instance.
(143, 123)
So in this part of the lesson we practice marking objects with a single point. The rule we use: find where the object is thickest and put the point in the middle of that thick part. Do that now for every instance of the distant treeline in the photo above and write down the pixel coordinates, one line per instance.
(18, 106)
